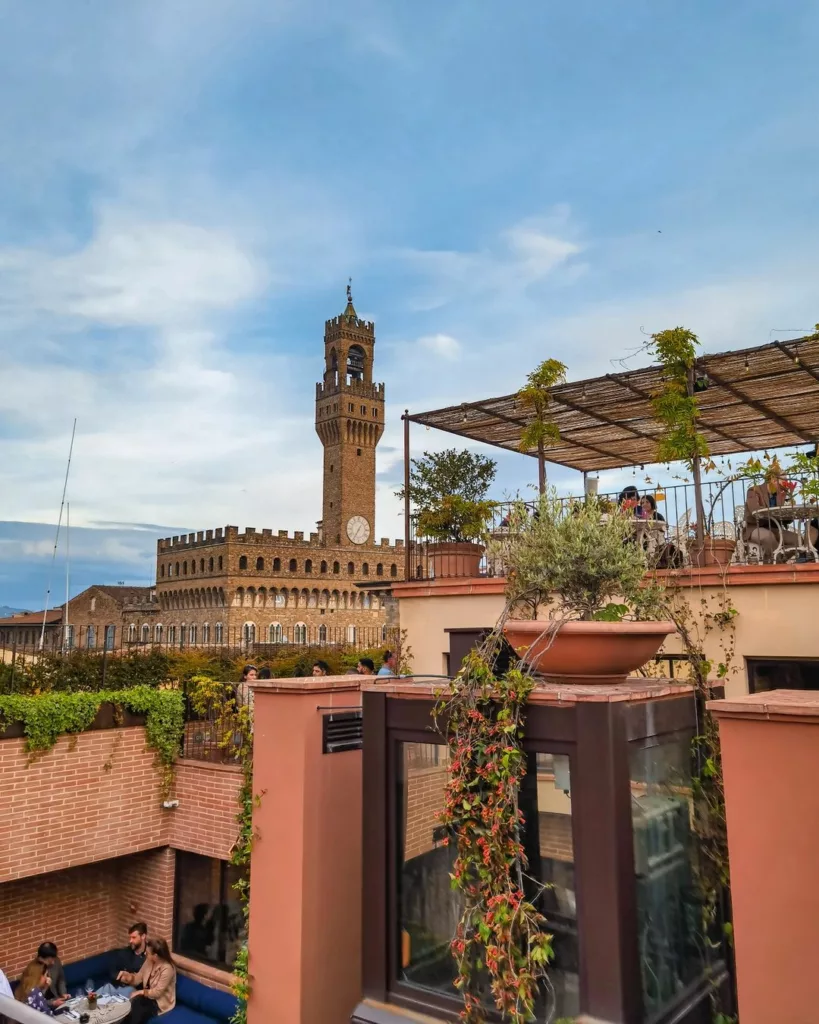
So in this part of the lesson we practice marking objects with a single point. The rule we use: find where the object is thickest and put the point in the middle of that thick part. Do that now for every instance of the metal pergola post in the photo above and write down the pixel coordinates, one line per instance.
(407, 553)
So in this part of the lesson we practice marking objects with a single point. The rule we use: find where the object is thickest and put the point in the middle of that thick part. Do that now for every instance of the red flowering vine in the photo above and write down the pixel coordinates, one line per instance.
(500, 944)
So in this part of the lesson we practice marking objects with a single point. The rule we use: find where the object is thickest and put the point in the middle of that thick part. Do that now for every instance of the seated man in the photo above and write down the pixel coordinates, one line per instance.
(759, 529)
(57, 992)
(127, 961)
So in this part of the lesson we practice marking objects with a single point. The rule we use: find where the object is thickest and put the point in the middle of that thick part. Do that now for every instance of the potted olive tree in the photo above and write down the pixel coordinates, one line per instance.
(580, 605)
(448, 491)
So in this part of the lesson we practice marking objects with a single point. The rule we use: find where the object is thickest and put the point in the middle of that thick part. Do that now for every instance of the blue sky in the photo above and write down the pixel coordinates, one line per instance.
(185, 188)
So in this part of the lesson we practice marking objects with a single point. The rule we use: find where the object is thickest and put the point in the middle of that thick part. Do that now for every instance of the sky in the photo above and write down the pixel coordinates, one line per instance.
(186, 187)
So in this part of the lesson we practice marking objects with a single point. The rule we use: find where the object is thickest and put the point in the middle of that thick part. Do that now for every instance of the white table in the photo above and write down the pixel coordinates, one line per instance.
(797, 519)
(107, 1014)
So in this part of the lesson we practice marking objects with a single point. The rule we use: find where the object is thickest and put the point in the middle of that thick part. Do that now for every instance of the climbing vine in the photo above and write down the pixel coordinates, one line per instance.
(47, 716)
(501, 948)
(535, 398)
(674, 406)
(218, 701)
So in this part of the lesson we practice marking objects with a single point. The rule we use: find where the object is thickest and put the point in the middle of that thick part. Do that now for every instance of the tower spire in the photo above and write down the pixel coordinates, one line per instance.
(350, 310)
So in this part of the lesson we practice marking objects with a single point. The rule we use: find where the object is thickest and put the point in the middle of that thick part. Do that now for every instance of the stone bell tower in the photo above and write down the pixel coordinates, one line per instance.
(350, 422)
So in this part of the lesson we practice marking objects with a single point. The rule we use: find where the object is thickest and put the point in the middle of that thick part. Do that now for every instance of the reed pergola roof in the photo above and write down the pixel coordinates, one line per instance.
(750, 399)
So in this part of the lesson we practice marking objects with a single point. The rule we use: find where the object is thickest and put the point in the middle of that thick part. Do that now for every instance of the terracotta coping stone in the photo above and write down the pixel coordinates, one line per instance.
(635, 688)
(446, 587)
(308, 684)
(772, 705)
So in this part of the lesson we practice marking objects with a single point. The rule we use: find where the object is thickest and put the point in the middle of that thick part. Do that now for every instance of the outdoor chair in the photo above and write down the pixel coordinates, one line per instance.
(746, 552)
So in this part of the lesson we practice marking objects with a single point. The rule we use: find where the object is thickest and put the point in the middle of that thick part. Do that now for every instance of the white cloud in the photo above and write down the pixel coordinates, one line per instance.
(442, 345)
(528, 253)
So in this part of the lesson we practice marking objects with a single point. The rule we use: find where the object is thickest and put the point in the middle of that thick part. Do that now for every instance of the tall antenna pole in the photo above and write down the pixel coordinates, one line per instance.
(67, 571)
(57, 535)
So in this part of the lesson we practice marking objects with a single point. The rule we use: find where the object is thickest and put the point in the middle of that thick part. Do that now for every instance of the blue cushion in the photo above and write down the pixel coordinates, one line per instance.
(210, 1001)
(184, 1015)
(98, 968)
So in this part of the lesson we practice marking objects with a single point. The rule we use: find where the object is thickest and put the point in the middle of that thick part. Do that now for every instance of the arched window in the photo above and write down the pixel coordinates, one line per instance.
(205, 633)
(176, 570)
(220, 632)
(210, 565)
(308, 565)
(158, 633)
(393, 570)
(146, 633)
(220, 563)
(365, 569)
(243, 562)
(355, 363)
(379, 570)
(384, 633)
(171, 634)
(274, 633)
(184, 568)
(324, 567)
(322, 634)
(249, 633)
(277, 565)
(162, 570)
(131, 632)
(300, 633)
(350, 569)
(351, 634)
(110, 633)
(260, 563)
(91, 637)
(201, 565)
(193, 567)
(192, 635)
(336, 568)
(292, 565)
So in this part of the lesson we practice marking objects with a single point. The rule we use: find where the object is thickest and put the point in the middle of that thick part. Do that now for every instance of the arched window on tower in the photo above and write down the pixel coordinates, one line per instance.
(308, 565)
(350, 569)
(210, 565)
(292, 565)
(336, 568)
(324, 567)
(260, 563)
(277, 565)
(355, 363)
(365, 569)
(393, 570)
(379, 570)
(243, 562)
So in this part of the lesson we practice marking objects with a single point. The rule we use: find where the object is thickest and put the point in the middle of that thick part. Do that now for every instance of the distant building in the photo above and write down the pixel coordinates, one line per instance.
(223, 586)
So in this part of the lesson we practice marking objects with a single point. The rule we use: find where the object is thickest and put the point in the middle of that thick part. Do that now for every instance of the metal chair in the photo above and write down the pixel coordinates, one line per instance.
(747, 552)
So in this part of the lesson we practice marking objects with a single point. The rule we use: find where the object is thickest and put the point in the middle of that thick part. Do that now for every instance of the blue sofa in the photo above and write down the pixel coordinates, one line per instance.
(195, 1003)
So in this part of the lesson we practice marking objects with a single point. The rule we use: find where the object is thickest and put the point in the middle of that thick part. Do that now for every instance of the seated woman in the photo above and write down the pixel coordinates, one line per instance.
(648, 504)
(630, 497)
(155, 984)
(760, 529)
(33, 986)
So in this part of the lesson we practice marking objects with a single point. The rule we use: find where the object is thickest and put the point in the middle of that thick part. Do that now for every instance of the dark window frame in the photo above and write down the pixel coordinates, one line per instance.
(225, 888)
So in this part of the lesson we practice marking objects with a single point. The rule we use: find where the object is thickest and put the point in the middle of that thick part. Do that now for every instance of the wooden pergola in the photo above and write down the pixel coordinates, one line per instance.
(749, 399)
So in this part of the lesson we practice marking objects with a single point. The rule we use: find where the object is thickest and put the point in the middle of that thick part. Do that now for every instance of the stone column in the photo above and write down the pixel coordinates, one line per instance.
(305, 906)
(770, 757)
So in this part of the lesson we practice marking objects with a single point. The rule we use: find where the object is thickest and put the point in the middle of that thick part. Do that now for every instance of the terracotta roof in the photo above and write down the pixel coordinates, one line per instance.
(33, 618)
(126, 595)
(764, 397)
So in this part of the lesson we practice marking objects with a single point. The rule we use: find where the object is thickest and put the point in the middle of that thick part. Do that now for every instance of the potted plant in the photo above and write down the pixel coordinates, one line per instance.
(580, 605)
(448, 490)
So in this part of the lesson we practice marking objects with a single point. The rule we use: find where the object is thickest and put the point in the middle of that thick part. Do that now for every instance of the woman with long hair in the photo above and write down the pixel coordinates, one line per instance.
(155, 984)
(33, 986)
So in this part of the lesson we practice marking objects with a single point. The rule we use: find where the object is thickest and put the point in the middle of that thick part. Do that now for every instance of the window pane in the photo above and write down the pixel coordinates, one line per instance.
(669, 910)
(428, 909)
(551, 861)
(209, 924)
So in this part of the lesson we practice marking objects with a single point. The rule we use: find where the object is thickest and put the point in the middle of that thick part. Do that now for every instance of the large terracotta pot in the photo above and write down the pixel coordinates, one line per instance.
(455, 559)
(714, 551)
(588, 652)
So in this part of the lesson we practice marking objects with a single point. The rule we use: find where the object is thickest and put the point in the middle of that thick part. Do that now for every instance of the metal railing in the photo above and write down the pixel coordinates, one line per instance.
(725, 519)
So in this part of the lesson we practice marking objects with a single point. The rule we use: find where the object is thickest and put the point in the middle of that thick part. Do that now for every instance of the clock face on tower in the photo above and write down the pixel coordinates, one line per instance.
(358, 530)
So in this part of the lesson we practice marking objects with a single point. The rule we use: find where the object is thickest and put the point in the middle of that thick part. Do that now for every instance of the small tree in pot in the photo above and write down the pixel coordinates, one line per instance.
(448, 490)
(581, 568)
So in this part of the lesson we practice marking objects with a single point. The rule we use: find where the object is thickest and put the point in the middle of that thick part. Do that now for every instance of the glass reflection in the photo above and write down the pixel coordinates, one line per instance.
(428, 909)
(669, 911)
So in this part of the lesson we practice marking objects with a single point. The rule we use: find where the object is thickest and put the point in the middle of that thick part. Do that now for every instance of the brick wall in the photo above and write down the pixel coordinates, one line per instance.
(96, 796)
(85, 910)
(424, 794)
(556, 836)
(92, 797)
(205, 821)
